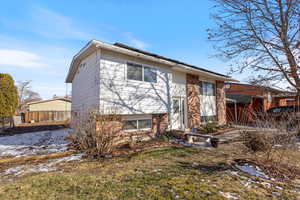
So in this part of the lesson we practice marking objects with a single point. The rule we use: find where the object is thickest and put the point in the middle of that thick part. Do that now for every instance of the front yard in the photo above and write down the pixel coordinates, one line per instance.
(167, 171)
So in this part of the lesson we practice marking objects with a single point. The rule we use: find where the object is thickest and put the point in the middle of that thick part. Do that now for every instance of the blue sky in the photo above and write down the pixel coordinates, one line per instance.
(39, 38)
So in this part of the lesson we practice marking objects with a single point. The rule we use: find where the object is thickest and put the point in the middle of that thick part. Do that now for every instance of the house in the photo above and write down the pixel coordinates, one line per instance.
(149, 91)
(50, 110)
(55, 104)
(247, 99)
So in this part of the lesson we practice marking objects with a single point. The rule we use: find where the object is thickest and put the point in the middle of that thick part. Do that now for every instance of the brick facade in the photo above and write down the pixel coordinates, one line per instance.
(160, 123)
(193, 100)
(221, 102)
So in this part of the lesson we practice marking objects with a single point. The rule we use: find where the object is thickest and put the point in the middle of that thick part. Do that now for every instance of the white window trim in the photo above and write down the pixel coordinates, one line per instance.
(214, 84)
(143, 79)
(137, 119)
(215, 96)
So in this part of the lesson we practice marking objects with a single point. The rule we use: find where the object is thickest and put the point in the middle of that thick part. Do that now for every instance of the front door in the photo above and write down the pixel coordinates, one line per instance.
(178, 113)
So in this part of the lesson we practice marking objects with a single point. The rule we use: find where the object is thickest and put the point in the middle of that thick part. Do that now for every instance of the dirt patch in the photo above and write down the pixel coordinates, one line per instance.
(131, 149)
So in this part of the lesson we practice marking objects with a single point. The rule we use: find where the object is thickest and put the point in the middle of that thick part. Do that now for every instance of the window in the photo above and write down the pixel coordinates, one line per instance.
(130, 125)
(141, 73)
(175, 105)
(137, 124)
(150, 75)
(134, 72)
(144, 124)
(208, 118)
(208, 89)
(269, 97)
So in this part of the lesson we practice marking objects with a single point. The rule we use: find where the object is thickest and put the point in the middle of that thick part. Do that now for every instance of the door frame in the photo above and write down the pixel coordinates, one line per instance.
(182, 113)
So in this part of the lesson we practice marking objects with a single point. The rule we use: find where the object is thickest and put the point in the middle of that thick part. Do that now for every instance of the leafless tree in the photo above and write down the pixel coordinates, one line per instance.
(26, 95)
(261, 36)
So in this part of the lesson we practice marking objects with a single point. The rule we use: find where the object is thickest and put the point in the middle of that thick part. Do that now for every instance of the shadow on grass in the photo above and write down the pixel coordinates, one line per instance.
(165, 152)
(208, 169)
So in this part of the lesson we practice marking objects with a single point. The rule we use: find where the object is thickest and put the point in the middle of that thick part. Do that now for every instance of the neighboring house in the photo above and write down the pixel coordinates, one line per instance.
(55, 104)
(51, 110)
(151, 92)
(247, 99)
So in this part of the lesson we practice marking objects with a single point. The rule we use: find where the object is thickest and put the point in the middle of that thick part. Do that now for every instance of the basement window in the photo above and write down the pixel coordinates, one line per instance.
(137, 124)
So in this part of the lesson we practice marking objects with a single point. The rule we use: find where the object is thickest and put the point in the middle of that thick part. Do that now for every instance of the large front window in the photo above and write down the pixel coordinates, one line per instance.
(134, 72)
(208, 102)
(140, 72)
(208, 89)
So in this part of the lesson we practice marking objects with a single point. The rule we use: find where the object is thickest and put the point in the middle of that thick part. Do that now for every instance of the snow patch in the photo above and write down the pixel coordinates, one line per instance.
(37, 143)
(43, 167)
(228, 195)
(252, 170)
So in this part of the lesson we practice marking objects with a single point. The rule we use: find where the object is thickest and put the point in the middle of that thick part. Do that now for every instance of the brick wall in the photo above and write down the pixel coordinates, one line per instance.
(193, 100)
(221, 102)
(160, 123)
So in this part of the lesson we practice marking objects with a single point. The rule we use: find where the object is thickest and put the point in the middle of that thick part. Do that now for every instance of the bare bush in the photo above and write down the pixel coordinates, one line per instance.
(98, 135)
(271, 143)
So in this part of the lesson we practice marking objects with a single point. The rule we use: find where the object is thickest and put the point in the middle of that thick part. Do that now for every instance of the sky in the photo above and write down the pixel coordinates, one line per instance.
(39, 38)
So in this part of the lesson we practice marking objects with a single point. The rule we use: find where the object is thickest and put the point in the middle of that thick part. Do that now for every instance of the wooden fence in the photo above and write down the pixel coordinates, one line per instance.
(47, 116)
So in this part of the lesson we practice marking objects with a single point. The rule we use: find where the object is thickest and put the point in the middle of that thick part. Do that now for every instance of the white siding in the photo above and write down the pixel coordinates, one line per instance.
(129, 96)
(85, 85)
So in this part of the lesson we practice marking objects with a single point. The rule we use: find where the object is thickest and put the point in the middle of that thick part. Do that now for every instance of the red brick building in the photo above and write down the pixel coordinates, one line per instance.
(245, 100)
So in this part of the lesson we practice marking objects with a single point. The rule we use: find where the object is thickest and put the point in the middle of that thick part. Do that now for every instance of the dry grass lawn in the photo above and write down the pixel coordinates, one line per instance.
(168, 172)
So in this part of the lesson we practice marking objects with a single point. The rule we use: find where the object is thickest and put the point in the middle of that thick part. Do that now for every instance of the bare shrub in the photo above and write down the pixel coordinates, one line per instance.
(271, 142)
(98, 135)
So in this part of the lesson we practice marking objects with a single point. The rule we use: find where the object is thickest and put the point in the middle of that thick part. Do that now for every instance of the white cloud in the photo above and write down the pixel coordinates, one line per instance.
(135, 42)
(18, 58)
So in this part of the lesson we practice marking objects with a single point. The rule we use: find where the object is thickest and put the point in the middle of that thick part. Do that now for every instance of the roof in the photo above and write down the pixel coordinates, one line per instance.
(47, 100)
(165, 58)
(93, 45)
(266, 88)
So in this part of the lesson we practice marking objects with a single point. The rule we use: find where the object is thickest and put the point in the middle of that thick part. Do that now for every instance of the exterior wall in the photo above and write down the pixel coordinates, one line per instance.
(54, 105)
(284, 101)
(258, 91)
(85, 86)
(221, 102)
(159, 126)
(244, 89)
(102, 84)
(130, 96)
(160, 123)
(193, 100)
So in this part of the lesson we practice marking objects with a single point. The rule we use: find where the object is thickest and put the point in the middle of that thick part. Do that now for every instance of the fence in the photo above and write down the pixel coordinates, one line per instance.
(47, 116)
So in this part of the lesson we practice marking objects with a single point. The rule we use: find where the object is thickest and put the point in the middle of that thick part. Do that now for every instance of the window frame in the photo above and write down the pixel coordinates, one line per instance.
(204, 92)
(137, 121)
(143, 72)
(204, 119)
(134, 64)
